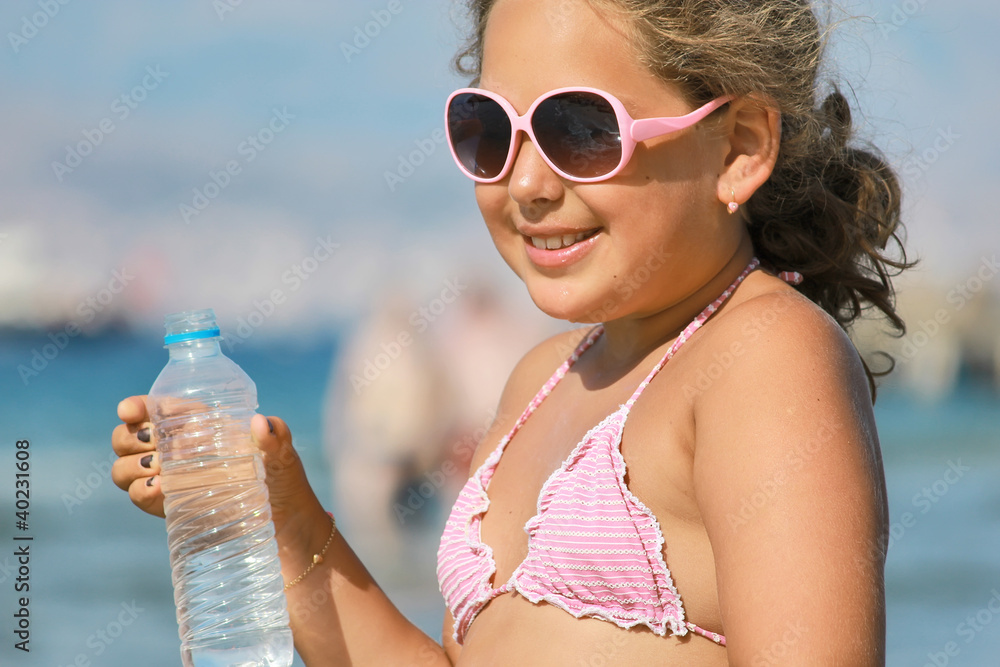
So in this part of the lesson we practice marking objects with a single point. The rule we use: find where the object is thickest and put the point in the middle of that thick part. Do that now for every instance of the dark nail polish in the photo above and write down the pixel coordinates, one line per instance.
(146, 460)
(270, 426)
(149, 480)
(143, 434)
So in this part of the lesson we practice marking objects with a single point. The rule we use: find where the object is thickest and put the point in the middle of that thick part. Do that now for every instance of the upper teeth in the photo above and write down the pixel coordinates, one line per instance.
(557, 242)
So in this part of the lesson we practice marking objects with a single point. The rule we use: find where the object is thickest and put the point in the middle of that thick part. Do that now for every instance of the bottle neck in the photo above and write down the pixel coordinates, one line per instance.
(193, 349)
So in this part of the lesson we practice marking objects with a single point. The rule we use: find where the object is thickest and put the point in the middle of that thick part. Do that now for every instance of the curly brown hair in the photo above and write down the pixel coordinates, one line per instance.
(830, 208)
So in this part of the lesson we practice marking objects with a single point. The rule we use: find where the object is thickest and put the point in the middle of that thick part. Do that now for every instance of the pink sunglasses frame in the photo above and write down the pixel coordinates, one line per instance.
(632, 130)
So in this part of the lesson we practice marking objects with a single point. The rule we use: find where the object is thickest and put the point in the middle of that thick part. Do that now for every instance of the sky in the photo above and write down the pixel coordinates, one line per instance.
(165, 156)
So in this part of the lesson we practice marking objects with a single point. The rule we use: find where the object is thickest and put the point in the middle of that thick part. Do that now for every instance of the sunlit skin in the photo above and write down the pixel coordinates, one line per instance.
(670, 200)
(670, 197)
(799, 580)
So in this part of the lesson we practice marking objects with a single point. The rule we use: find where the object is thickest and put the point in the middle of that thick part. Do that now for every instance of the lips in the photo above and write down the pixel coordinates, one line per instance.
(559, 249)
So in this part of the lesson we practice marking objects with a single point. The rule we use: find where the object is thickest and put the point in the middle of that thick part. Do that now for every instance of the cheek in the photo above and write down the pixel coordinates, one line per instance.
(674, 160)
(492, 202)
(667, 196)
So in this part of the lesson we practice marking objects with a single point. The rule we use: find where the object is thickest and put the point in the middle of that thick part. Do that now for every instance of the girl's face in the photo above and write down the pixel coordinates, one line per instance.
(654, 233)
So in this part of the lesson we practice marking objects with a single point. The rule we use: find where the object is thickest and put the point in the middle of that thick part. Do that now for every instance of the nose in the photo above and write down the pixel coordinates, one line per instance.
(532, 183)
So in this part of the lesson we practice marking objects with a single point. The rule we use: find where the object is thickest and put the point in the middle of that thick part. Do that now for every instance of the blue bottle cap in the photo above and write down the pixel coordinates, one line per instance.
(190, 335)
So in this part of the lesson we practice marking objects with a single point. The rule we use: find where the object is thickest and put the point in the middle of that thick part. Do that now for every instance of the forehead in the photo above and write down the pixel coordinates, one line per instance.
(533, 46)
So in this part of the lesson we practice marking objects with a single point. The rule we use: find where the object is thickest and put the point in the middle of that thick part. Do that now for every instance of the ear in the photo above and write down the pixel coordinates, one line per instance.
(752, 130)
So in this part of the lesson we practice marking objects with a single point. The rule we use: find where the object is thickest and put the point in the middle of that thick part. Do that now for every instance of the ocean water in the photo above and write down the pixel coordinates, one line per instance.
(99, 574)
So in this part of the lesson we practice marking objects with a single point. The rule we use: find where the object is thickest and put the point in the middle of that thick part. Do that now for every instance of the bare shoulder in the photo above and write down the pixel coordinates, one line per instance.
(528, 376)
(783, 341)
(789, 377)
(788, 479)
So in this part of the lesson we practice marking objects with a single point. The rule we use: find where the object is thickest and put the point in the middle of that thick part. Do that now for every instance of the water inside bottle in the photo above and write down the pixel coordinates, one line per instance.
(227, 579)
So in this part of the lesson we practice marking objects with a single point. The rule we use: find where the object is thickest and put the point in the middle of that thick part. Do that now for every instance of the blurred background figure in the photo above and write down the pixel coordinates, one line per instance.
(359, 167)
(410, 397)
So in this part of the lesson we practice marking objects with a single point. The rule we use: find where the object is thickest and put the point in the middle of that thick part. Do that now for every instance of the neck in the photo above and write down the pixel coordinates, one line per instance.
(628, 340)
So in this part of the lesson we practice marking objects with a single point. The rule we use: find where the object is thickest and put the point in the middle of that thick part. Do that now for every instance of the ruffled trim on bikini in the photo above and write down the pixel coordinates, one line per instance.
(677, 624)
(669, 606)
(620, 617)
(484, 592)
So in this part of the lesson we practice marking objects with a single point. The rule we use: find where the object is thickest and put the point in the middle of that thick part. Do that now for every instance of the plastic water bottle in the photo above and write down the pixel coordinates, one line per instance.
(227, 578)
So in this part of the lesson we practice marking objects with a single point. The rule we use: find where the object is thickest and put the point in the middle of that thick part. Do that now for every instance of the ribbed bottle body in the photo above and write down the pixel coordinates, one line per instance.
(226, 574)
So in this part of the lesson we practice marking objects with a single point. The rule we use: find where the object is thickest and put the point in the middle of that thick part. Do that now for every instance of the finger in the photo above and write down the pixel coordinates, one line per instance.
(132, 438)
(133, 410)
(274, 440)
(285, 475)
(127, 469)
(147, 495)
(265, 435)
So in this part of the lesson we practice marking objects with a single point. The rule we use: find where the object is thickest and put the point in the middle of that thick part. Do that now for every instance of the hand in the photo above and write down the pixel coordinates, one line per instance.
(138, 467)
(293, 502)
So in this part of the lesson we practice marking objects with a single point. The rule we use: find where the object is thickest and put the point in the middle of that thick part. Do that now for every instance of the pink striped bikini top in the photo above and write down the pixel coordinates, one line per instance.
(594, 548)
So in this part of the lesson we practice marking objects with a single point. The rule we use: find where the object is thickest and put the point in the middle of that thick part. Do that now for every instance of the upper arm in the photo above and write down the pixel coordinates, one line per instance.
(789, 482)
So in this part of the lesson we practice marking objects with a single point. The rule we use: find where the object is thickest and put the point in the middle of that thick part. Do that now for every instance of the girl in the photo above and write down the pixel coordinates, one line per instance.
(698, 481)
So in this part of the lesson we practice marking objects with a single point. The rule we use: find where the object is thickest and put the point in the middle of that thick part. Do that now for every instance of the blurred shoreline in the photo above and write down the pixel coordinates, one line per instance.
(940, 568)
(952, 326)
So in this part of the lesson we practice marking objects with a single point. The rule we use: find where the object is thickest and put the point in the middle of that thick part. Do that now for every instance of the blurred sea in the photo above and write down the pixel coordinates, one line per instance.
(100, 582)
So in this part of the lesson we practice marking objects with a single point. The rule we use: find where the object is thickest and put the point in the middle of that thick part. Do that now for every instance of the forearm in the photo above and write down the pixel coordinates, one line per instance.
(339, 614)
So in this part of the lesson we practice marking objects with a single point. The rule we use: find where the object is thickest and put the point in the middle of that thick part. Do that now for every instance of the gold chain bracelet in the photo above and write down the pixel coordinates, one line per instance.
(317, 558)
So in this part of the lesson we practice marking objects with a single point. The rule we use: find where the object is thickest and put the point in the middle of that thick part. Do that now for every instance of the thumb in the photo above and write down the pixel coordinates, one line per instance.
(286, 478)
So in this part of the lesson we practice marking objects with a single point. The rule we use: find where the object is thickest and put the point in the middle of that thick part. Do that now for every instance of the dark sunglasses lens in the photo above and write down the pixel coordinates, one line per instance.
(579, 133)
(479, 131)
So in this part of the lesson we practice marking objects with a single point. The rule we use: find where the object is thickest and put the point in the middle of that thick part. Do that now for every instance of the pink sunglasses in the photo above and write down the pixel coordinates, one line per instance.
(584, 134)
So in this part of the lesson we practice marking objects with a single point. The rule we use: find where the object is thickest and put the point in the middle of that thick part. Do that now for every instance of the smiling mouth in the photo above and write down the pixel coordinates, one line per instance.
(560, 242)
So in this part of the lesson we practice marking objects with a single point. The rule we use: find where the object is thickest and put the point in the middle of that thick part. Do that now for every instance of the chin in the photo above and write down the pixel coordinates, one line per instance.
(569, 308)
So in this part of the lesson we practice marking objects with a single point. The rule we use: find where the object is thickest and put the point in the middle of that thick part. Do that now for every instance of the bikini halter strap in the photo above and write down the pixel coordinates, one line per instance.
(487, 468)
(791, 277)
